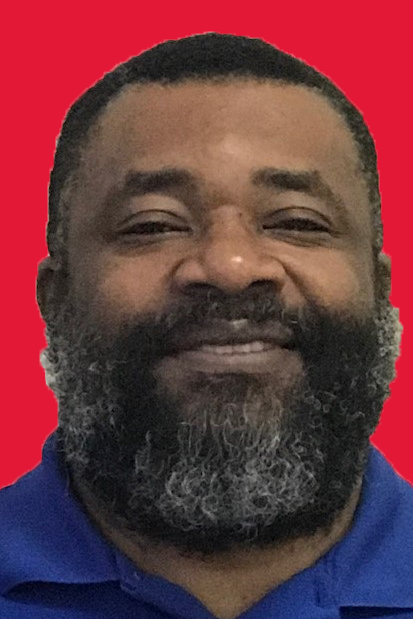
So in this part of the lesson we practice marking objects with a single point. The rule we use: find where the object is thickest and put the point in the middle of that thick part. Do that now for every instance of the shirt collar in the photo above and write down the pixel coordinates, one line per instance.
(54, 540)
(371, 566)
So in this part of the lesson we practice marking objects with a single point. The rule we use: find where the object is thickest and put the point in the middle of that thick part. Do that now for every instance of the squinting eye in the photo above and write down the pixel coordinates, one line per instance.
(154, 227)
(298, 224)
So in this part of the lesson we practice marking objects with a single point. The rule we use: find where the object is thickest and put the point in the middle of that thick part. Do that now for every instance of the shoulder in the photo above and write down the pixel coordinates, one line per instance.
(373, 564)
(25, 531)
(45, 533)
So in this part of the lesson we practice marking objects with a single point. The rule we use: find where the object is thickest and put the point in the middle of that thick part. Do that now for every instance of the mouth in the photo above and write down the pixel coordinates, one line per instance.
(236, 349)
(226, 347)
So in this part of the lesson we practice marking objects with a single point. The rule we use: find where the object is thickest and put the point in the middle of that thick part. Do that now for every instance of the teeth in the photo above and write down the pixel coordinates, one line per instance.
(238, 324)
(236, 349)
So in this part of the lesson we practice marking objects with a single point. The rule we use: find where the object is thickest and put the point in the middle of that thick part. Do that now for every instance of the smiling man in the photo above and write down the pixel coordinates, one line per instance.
(220, 344)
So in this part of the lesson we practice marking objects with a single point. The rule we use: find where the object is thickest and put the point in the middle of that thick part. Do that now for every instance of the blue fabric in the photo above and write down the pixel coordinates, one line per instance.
(55, 564)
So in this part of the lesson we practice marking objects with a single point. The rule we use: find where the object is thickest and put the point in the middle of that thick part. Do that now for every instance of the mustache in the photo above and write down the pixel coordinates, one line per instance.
(207, 311)
(259, 303)
(208, 315)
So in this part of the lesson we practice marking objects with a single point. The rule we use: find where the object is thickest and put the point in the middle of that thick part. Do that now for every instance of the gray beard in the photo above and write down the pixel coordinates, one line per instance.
(230, 464)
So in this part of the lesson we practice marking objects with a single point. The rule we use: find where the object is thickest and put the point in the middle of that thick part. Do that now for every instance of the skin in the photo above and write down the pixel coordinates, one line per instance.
(225, 231)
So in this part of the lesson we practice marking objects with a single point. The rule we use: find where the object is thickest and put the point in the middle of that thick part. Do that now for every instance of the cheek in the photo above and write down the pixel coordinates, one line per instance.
(125, 286)
(336, 280)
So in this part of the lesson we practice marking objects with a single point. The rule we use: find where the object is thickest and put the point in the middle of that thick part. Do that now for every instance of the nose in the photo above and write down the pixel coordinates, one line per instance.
(231, 257)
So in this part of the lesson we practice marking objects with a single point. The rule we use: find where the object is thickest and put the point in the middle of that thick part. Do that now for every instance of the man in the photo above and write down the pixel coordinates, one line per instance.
(220, 343)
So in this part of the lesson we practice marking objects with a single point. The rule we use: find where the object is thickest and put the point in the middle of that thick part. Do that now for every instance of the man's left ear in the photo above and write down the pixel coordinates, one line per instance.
(383, 272)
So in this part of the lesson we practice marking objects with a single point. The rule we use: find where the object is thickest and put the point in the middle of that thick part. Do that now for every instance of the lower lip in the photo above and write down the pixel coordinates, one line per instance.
(253, 362)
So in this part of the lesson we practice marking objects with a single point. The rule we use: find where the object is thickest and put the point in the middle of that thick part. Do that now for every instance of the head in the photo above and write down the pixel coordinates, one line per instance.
(220, 338)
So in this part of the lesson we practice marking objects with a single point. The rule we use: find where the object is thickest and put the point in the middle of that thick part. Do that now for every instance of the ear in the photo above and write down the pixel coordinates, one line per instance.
(50, 285)
(383, 272)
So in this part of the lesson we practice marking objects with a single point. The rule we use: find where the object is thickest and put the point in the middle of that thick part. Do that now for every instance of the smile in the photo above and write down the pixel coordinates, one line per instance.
(237, 349)
(256, 357)
(236, 346)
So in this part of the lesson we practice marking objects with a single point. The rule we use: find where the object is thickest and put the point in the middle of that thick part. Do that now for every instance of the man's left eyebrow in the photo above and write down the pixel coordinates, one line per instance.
(305, 181)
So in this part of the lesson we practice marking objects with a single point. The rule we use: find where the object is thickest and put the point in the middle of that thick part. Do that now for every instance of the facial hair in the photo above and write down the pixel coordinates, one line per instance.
(230, 460)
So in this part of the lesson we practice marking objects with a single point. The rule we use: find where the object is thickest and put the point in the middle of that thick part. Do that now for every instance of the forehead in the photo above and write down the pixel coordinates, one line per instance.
(220, 130)
(155, 115)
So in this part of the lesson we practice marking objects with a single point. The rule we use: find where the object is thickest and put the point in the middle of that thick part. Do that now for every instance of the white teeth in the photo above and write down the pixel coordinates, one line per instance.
(238, 324)
(237, 349)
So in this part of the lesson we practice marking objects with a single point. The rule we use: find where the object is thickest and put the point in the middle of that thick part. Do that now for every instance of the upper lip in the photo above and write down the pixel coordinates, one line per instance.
(224, 333)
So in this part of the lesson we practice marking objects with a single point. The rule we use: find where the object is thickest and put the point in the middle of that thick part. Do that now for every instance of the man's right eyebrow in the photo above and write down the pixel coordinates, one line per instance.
(140, 182)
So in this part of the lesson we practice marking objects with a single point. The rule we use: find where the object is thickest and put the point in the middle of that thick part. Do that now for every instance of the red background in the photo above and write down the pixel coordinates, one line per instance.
(53, 52)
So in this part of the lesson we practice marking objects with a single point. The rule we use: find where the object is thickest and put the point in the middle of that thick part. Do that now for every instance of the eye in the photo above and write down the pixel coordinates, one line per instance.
(299, 224)
(150, 228)
(153, 226)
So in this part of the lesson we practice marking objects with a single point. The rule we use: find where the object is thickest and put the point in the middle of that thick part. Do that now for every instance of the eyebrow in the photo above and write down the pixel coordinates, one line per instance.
(139, 183)
(310, 182)
(306, 181)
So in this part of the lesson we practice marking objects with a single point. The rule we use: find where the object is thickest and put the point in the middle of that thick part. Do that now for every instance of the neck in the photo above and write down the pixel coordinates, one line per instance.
(231, 582)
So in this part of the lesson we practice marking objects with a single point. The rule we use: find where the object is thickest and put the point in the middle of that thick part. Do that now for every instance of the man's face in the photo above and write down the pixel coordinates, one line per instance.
(231, 221)
(217, 359)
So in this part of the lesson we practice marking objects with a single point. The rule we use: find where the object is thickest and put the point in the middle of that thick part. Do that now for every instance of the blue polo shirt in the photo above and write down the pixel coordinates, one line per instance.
(54, 563)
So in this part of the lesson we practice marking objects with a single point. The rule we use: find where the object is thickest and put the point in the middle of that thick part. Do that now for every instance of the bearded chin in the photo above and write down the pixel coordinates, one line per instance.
(230, 461)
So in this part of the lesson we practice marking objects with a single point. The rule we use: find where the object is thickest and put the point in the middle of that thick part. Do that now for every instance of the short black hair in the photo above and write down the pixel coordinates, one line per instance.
(200, 57)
